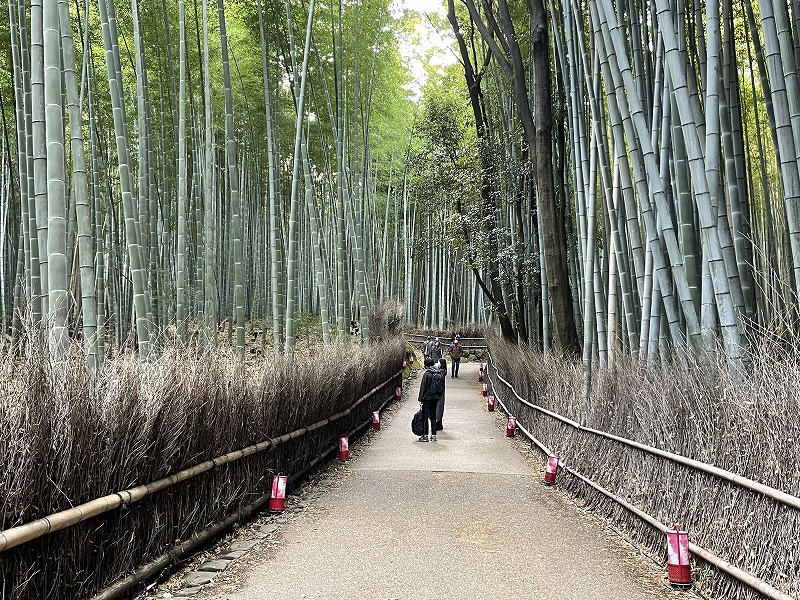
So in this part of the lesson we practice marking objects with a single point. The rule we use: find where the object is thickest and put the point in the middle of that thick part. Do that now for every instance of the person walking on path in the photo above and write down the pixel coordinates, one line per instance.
(455, 354)
(436, 350)
(431, 389)
(440, 405)
(426, 347)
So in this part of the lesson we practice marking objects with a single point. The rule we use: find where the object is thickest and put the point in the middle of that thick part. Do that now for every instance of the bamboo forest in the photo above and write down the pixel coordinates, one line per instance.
(209, 210)
(611, 180)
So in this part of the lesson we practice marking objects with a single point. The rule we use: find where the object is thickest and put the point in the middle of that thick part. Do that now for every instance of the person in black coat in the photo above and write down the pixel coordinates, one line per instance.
(428, 402)
(435, 351)
(440, 405)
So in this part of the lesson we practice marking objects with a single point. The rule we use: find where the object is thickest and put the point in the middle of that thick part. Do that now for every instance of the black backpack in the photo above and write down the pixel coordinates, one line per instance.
(436, 385)
(418, 426)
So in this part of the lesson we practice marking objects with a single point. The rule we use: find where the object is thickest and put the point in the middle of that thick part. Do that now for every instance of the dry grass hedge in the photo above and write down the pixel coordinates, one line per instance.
(67, 442)
(748, 425)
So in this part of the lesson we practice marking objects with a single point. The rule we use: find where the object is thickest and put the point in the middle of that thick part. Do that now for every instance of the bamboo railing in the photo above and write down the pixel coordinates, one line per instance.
(22, 534)
(739, 480)
(740, 575)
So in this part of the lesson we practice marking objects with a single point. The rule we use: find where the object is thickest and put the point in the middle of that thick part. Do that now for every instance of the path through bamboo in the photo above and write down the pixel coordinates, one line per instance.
(462, 517)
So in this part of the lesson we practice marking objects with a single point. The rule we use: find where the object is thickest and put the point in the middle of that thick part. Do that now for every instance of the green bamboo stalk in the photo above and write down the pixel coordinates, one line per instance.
(86, 232)
(272, 184)
(343, 305)
(209, 218)
(39, 147)
(141, 295)
(291, 282)
(316, 247)
(589, 315)
(735, 171)
(100, 263)
(57, 275)
(182, 267)
(233, 185)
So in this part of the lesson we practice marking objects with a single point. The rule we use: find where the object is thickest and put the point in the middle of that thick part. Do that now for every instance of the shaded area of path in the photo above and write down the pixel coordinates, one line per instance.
(463, 517)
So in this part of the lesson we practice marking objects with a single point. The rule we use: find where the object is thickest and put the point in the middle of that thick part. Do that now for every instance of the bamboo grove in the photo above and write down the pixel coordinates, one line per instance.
(613, 178)
(640, 160)
(174, 171)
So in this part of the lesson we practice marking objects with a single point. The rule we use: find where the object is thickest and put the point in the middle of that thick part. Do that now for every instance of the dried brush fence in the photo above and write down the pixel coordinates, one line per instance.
(747, 426)
(67, 443)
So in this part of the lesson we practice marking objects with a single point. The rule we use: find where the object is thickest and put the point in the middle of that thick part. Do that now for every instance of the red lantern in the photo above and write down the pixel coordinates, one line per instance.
(344, 448)
(679, 569)
(278, 499)
(480, 374)
(551, 470)
(376, 420)
(485, 390)
(404, 364)
(490, 403)
(511, 427)
(411, 360)
(398, 392)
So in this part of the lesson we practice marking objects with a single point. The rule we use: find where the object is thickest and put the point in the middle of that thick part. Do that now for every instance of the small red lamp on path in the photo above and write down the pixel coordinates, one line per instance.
(344, 448)
(551, 470)
(679, 569)
(277, 500)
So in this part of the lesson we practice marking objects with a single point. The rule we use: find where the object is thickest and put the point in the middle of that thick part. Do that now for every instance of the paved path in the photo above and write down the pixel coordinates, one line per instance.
(464, 517)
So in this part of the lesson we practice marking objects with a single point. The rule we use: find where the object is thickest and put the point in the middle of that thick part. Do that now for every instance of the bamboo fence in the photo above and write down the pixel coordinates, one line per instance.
(741, 527)
(223, 429)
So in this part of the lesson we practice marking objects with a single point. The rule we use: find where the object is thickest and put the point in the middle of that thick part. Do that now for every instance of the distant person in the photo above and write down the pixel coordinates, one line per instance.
(355, 328)
(436, 350)
(426, 347)
(455, 353)
(440, 404)
(431, 389)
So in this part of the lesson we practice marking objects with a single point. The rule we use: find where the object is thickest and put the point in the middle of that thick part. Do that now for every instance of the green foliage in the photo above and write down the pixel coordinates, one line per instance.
(443, 162)
(376, 47)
